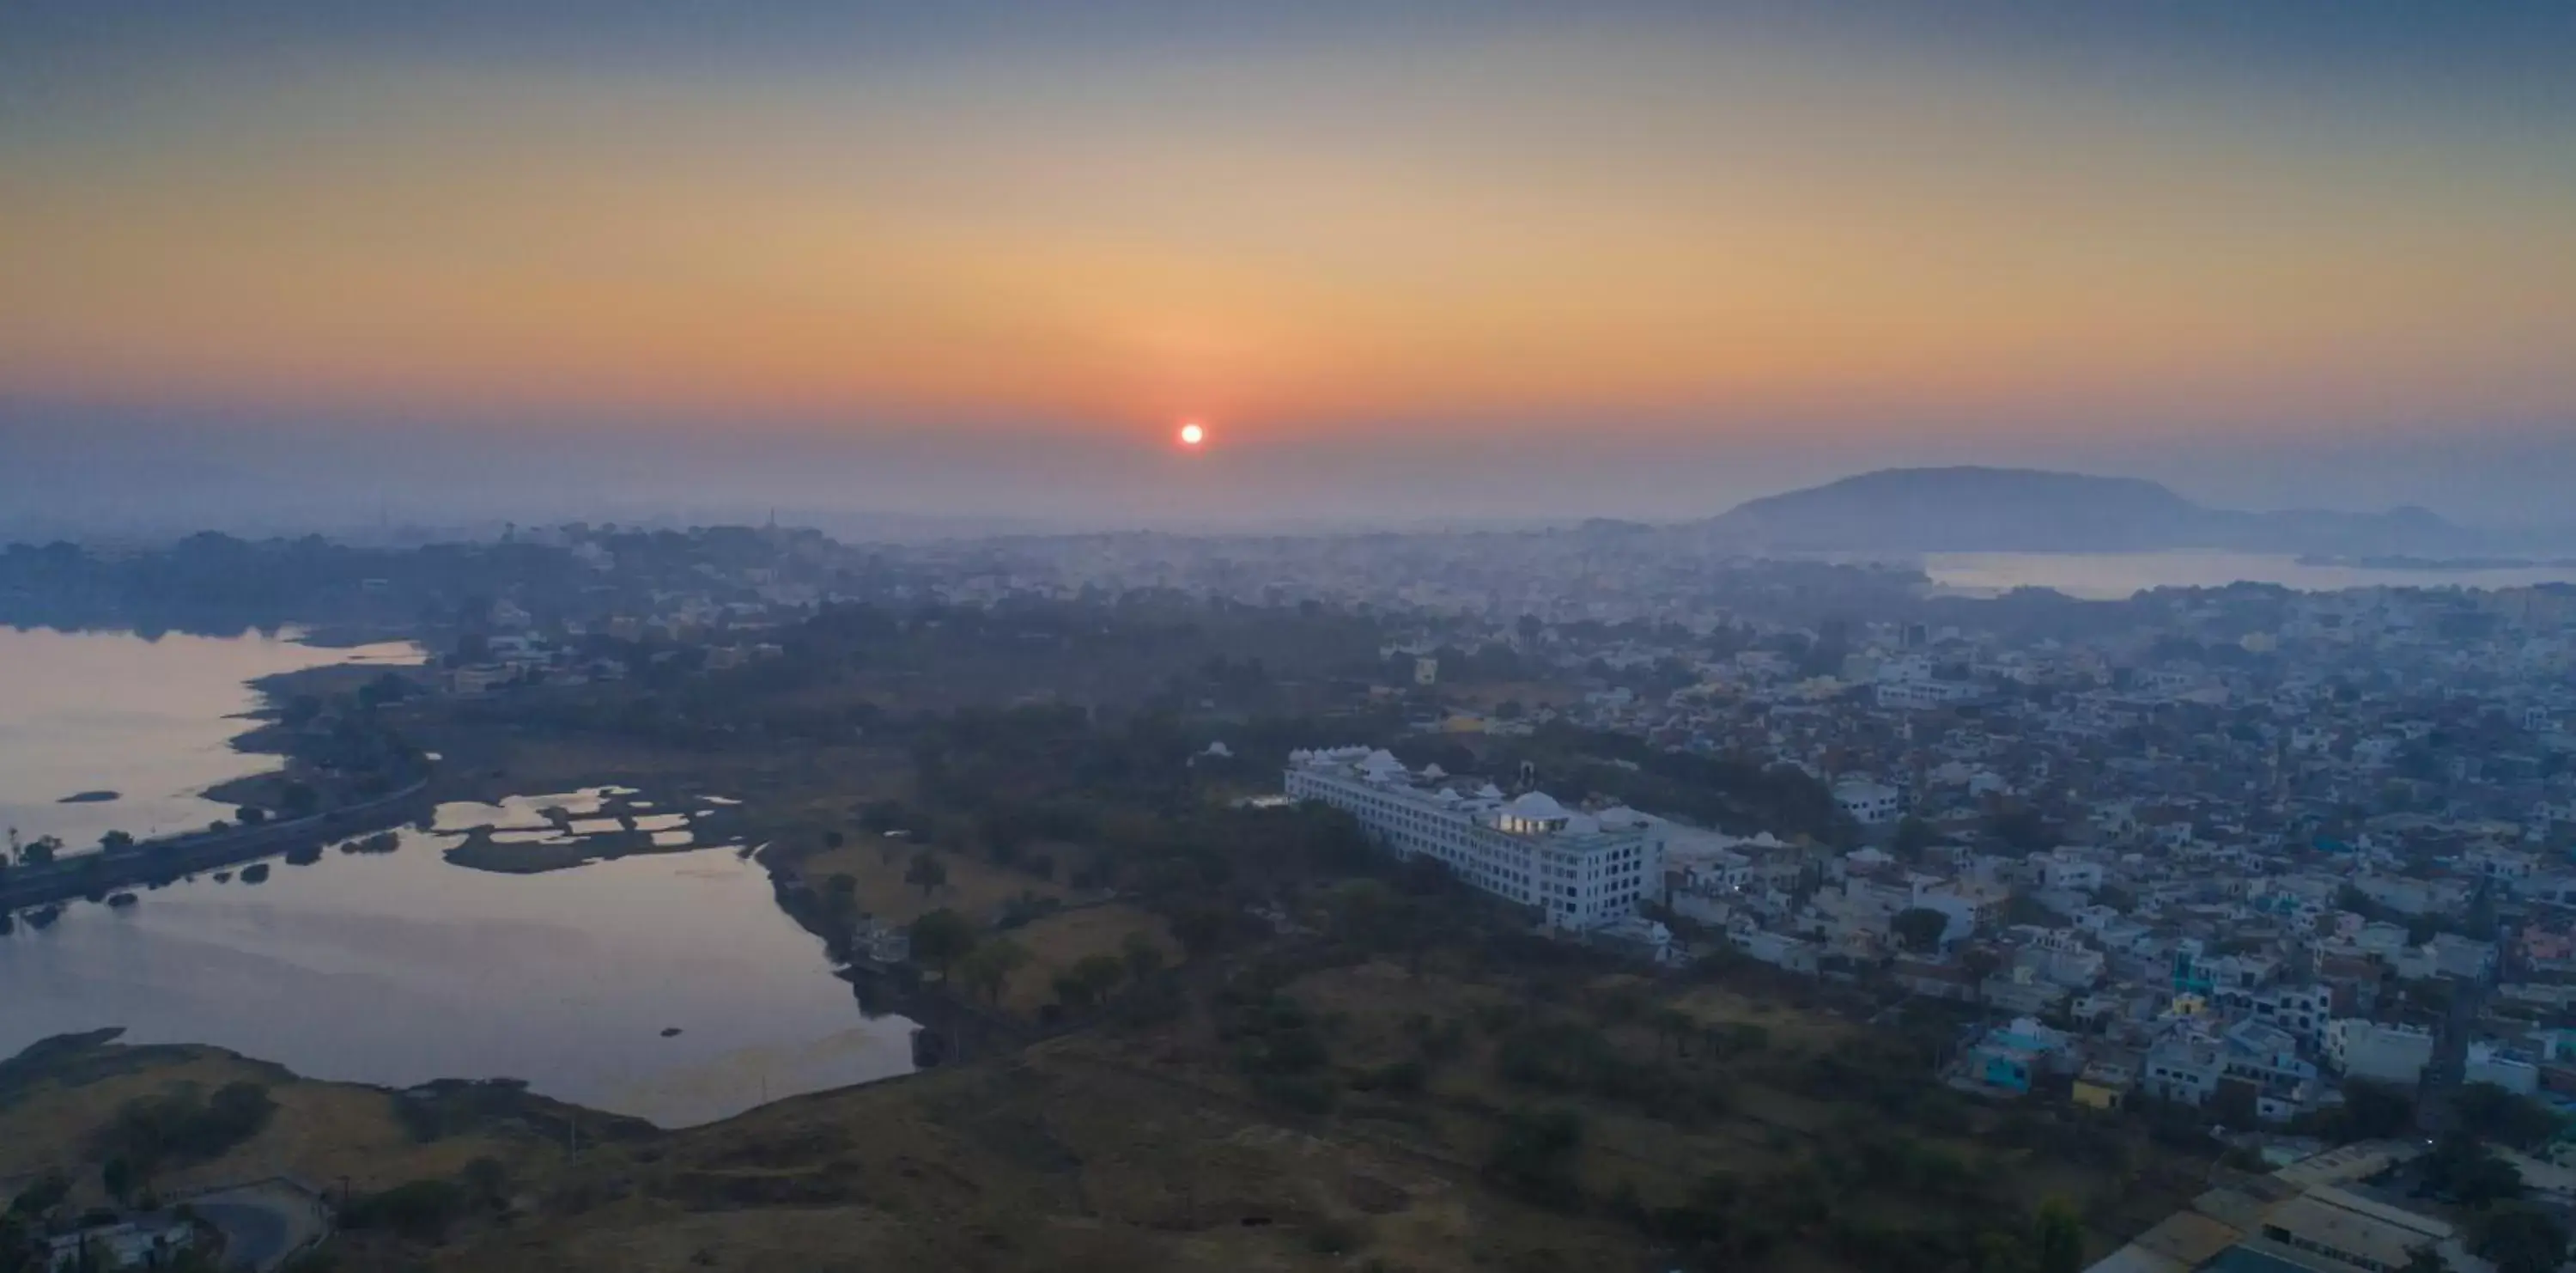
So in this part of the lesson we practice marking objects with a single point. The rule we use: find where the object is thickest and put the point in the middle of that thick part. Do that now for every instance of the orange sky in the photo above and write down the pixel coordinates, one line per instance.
(1525, 230)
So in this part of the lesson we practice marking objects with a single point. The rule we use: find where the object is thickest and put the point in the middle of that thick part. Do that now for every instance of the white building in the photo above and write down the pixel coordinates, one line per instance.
(2183, 1069)
(1583, 870)
(1925, 694)
(1868, 803)
(2377, 1050)
(2509, 1070)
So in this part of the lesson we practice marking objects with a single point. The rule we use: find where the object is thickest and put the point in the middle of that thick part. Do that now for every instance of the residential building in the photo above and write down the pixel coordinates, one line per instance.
(1868, 803)
(1582, 870)
(2382, 1051)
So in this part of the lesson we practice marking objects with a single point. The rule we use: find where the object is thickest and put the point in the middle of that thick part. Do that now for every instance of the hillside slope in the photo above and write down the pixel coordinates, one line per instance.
(2030, 510)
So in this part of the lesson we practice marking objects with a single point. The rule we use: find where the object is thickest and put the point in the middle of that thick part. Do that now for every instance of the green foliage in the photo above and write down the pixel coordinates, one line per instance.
(2520, 1239)
(2376, 1111)
(1570, 1058)
(926, 873)
(941, 938)
(421, 1210)
(183, 1127)
(2058, 1237)
(45, 1194)
(2461, 1168)
(487, 1180)
(1536, 1156)
(1202, 930)
(1335, 1237)
(986, 970)
(1400, 1078)
(1920, 928)
(1142, 956)
(2495, 1114)
(1913, 837)
(1100, 973)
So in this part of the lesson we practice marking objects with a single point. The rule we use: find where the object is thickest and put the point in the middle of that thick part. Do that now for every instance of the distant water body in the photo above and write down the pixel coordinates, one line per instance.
(395, 968)
(400, 968)
(2113, 576)
(147, 719)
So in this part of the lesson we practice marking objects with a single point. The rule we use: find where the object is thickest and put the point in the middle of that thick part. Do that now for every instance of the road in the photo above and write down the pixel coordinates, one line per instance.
(262, 1223)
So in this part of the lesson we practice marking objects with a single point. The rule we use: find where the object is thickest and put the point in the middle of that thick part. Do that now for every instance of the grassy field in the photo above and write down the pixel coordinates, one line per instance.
(975, 888)
(1058, 942)
(321, 1132)
(1150, 1148)
(1060, 1161)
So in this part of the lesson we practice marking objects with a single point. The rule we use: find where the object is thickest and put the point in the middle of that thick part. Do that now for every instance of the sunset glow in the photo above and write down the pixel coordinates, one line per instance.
(1642, 230)
(1192, 434)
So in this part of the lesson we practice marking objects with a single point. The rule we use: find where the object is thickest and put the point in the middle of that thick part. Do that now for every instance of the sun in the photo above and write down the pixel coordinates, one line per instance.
(1193, 434)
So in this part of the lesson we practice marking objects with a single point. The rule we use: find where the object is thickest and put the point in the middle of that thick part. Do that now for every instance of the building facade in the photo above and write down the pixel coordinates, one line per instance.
(1582, 870)
(2386, 1052)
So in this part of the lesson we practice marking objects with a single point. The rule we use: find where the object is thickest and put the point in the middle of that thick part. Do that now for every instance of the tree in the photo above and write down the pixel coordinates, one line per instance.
(2376, 1111)
(2499, 1115)
(1143, 957)
(1913, 836)
(1920, 928)
(1072, 991)
(1101, 973)
(115, 842)
(1674, 1026)
(987, 969)
(116, 1175)
(2462, 1168)
(2059, 1236)
(41, 851)
(1536, 1154)
(299, 799)
(2521, 1240)
(488, 1180)
(1202, 929)
(2424, 1259)
(926, 873)
(941, 938)
(46, 1193)
(250, 815)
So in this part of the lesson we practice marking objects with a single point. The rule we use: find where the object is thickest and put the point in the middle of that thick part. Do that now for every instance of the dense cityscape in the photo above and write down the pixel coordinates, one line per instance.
(2286, 873)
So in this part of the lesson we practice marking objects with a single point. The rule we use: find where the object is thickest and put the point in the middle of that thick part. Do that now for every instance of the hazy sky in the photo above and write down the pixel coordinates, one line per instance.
(1476, 259)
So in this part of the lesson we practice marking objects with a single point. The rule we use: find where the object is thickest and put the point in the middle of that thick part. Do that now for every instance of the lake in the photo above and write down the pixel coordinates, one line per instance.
(111, 711)
(2114, 576)
(398, 968)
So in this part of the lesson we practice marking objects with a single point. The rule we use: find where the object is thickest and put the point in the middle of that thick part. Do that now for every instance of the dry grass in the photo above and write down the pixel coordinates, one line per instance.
(1788, 1026)
(1058, 942)
(321, 1132)
(975, 888)
(1056, 1162)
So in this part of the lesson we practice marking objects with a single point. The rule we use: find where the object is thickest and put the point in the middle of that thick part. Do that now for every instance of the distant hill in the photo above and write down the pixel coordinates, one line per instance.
(2032, 510)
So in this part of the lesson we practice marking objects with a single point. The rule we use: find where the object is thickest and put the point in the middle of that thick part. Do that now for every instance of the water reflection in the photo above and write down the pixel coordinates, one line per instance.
(2115, 576)
(149, 719)
(398, 968)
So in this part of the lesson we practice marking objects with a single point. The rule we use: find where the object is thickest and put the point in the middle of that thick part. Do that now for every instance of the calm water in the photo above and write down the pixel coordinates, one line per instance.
(2112, 576)
(110, 711)
(399, 968)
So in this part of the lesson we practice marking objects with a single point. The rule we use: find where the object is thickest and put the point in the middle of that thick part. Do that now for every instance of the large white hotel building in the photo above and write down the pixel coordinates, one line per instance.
(1583, 870)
